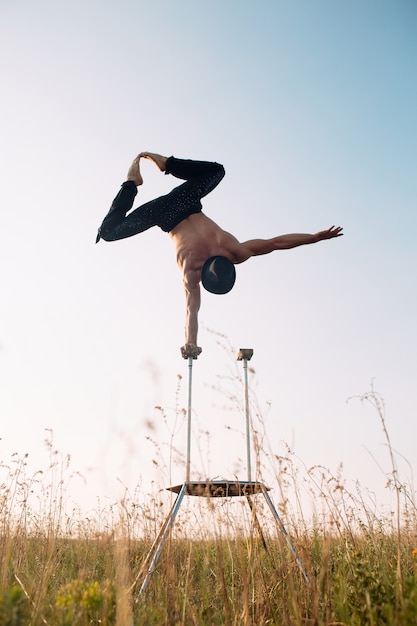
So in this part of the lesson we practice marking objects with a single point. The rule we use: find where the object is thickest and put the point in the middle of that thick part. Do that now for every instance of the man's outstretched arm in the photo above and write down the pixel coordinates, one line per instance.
(255, 247)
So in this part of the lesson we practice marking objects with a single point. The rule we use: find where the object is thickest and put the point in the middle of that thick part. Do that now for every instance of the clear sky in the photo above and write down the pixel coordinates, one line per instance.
(311, 107)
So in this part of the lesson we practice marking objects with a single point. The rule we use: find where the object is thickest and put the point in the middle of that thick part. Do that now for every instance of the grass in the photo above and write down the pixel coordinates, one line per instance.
(353, 580)
(64, 570)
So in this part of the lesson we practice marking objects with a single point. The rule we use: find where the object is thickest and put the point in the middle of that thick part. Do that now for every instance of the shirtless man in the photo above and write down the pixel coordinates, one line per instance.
(204, 251)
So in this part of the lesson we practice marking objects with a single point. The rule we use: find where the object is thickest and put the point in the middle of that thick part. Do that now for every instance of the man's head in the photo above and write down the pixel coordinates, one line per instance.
(218, 275)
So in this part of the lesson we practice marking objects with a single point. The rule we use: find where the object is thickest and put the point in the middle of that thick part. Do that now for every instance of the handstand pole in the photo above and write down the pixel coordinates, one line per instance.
(245, 355)
(189, 409)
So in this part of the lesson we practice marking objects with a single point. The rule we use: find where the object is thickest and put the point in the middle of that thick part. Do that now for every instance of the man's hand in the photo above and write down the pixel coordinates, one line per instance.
(159, 160)
(333, 231)
(190, 349)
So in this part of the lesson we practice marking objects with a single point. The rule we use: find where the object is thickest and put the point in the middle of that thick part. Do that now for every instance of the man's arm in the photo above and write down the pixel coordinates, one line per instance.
(256, 247)
(192, 306)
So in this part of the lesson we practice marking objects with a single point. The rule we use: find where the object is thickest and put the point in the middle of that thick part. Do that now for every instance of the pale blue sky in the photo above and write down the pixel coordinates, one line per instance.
(311, 106)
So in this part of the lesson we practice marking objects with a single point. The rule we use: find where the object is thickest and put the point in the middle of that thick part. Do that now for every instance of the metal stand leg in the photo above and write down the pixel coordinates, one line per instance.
(256, 522)
(284, 531)
(158, 544)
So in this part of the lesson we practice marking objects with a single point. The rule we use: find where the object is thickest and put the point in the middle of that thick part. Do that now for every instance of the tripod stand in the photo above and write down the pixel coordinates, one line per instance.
(216, 488)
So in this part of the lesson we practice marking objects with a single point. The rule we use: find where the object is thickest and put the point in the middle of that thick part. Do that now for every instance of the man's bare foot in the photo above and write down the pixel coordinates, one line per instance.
(134, 172)
(159, 160)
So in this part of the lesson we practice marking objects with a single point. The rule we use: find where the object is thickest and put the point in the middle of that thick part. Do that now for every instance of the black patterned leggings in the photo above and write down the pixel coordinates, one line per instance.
(166, 211)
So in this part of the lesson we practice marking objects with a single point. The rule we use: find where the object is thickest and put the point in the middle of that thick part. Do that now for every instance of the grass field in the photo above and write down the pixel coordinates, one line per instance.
(69, 570)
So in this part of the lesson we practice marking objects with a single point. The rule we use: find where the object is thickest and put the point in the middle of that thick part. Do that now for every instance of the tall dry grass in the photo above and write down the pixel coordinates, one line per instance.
(64, 569)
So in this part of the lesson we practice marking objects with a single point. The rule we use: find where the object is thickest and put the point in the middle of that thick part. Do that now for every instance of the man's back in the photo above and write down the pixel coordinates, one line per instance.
(197, 238)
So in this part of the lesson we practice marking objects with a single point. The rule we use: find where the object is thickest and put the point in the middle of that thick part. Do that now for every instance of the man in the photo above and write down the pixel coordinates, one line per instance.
(204, 251)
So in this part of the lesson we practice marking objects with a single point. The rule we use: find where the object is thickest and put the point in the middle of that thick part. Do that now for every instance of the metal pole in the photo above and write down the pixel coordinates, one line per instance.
(190, 376)
(248, 455)
(245, 354)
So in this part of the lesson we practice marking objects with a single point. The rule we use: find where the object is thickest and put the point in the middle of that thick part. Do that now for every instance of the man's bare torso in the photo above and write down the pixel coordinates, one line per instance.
(197, 238)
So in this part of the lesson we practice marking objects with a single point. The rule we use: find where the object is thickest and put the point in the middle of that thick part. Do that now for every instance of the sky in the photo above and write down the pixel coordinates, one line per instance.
(311, 108)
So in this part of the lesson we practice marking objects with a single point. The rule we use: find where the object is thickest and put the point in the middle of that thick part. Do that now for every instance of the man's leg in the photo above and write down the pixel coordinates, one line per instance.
(201, 177)
(207, 174)
(116, 225)
(167, 211)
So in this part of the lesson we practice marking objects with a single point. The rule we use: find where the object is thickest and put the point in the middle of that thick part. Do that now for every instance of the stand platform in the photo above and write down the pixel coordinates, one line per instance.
(220, 488)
